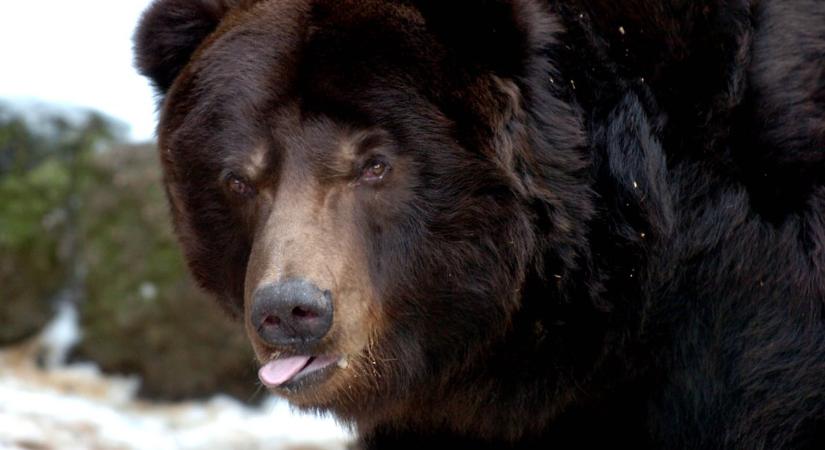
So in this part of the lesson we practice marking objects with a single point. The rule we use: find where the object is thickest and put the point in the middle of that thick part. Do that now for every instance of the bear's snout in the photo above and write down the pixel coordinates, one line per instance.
(292, 312)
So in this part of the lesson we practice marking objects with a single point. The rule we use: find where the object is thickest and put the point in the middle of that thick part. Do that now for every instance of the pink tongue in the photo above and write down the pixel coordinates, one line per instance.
(279, 371)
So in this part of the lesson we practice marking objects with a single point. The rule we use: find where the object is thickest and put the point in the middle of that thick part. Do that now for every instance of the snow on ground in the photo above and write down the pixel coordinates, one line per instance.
(78, 408)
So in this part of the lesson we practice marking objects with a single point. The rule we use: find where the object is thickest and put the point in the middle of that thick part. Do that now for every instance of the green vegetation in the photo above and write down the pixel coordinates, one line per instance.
(83, 217)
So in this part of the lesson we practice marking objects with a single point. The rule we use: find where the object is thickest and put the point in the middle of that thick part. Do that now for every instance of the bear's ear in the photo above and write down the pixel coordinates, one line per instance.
(169, 33)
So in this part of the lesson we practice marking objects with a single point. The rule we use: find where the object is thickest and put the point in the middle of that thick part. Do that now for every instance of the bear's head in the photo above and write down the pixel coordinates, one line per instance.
(372, 186)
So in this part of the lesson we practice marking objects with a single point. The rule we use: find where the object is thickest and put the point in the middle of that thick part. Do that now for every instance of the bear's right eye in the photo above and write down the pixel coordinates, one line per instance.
(375, 171)
(239, 186)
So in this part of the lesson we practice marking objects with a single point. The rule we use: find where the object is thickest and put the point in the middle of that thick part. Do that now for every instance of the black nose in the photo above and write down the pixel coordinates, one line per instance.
(292, 312)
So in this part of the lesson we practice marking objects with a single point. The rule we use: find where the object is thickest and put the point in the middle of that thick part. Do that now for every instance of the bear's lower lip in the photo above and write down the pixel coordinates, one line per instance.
(291, 371)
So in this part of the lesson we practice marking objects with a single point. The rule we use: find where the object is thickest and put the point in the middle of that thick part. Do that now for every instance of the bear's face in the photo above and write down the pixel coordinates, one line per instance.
(349, 183)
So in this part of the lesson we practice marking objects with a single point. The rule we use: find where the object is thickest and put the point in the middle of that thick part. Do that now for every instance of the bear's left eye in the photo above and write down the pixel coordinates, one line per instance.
(239, 186)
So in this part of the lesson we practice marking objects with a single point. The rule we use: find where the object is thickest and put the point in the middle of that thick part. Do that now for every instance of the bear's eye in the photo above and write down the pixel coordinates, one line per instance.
(239, 186)
(375, 171)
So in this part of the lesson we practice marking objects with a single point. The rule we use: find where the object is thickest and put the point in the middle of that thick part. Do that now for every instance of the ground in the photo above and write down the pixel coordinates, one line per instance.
(79, 407)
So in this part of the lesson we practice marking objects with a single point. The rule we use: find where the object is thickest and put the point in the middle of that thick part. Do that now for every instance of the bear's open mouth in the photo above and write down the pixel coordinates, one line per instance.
(282, 371)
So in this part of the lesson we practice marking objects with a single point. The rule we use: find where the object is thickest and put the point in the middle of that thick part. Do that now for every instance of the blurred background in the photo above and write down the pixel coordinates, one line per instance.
(105, 341)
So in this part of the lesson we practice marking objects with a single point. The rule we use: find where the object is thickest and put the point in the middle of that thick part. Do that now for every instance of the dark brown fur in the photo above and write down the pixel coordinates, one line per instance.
(574, 246)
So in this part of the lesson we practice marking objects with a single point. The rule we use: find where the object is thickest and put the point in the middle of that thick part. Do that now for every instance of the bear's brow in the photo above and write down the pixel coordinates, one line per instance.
(250, 163)
(367, 140)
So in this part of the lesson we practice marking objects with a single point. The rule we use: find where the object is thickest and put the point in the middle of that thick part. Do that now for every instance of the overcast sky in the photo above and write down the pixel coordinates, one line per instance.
(76, 53)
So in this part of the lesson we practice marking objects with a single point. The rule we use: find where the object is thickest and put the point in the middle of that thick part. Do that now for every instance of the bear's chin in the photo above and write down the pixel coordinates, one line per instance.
(314, 382)
(296, 373)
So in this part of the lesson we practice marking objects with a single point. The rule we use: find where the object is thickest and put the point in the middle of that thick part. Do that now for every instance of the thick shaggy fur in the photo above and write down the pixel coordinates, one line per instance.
(605, 223)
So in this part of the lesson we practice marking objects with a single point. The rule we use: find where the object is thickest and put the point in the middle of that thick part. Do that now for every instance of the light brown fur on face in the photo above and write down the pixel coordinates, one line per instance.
(307, 230)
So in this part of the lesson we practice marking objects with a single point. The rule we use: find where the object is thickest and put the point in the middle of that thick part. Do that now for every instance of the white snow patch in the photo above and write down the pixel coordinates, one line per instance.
(60, 335)
(78, 408)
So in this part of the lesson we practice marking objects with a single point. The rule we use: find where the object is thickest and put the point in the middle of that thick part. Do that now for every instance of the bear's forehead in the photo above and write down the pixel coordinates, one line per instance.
(277, 48)
(270, 66)
(283, 55)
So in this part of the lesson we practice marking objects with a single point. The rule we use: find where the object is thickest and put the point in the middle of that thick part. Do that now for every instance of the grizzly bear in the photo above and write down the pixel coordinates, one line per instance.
(510, 223)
